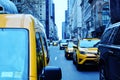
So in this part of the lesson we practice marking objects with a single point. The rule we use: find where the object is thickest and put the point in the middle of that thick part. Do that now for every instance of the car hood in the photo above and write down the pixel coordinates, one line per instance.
(70, 49)
(89, 50)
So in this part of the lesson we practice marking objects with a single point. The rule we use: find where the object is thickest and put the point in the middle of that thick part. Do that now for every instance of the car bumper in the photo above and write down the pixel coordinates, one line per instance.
(88, 61)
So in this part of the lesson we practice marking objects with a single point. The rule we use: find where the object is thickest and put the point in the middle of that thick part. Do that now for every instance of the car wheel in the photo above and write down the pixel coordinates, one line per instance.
(77, 65)
(74, 56)
(102, 73)
(66, 55)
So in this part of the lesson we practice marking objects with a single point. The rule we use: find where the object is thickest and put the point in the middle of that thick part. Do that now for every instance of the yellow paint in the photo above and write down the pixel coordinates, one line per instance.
(89, 53)
(28, 22)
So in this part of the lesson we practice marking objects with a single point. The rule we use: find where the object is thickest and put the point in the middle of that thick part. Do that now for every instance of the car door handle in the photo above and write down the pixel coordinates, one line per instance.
(111, 53)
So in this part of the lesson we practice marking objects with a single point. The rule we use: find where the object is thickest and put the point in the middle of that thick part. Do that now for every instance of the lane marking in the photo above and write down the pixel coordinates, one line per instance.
(55, 58)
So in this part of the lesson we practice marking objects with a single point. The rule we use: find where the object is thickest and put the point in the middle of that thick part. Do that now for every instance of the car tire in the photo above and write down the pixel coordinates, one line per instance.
(66, 56)
(102, 73)
(79, 67)
(74, 57)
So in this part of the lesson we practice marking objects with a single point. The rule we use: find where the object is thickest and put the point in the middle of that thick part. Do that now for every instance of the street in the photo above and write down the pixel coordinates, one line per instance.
(69, 71)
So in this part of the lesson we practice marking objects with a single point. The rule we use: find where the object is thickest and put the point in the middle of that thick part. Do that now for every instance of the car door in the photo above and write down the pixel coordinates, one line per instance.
(114, 56)
(104, 49)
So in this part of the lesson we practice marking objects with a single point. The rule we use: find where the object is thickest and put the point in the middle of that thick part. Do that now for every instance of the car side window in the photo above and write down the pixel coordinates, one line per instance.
(116, 38)
(40, 57)
(106, 36)
(44, 43)
(38, 43)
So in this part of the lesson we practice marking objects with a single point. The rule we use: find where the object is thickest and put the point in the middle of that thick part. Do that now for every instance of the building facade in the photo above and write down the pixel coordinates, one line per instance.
(43, 10)
(95, 17)
(86, 18)
(65, 27)
(73, 19)
(63, 31)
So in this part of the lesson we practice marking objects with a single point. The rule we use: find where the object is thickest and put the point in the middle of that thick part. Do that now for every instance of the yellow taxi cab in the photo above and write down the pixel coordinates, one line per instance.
(86, 52)
(69, 50)
(23, 49)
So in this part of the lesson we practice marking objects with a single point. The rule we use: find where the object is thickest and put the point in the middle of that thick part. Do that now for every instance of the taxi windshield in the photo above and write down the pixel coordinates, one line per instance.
(13, 54)
(88, 43)
(70, 45)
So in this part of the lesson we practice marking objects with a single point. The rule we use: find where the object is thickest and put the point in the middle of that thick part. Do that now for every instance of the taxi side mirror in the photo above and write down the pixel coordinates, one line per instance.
(51, 73)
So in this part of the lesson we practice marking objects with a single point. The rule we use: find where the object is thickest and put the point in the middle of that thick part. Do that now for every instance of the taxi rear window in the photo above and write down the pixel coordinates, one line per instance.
(14, 54)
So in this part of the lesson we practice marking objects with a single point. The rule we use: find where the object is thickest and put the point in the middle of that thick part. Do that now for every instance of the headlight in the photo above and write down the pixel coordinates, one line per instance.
(69, 51)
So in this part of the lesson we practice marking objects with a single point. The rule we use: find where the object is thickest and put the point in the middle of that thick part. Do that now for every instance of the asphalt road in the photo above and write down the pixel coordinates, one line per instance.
(69, 71)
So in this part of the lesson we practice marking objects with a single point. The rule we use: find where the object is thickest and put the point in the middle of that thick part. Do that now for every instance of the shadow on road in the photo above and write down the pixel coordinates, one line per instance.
(89, 69)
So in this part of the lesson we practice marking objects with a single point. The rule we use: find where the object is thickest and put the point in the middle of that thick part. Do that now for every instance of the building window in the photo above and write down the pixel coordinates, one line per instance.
(105, 15)
(41, 6)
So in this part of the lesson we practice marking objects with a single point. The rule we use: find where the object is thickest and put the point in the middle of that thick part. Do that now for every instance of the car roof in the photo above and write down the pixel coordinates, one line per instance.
(15, 21)
(21, 21)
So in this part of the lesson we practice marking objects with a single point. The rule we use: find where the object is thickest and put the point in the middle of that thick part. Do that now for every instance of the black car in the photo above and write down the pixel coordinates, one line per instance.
(109, 50)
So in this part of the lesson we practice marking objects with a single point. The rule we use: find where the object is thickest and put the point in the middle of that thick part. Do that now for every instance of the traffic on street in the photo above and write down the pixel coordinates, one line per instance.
(34, 46)
(69, 71)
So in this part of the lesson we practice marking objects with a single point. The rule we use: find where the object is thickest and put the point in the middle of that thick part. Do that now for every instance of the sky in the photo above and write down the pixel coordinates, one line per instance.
(60, 7)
